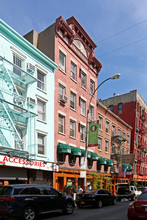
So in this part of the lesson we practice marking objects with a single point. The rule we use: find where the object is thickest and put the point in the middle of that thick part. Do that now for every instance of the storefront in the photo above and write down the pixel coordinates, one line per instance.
(15, 170)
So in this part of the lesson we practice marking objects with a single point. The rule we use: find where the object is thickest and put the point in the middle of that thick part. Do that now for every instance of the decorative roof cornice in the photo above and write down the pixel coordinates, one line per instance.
(73, 21)
(6, 29)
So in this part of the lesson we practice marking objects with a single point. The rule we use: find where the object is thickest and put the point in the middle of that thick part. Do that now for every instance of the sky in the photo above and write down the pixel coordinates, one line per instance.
(118, 28)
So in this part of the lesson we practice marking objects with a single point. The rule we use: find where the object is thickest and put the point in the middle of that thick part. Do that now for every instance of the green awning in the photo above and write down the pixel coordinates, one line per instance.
(94, 156)
(88, 154)
(102, 161)
(63, 148)
(76, 151)
(125, 165)
(109, 162)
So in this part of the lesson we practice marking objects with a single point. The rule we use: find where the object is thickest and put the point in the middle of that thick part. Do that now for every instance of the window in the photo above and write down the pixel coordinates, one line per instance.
(113, 130)
(72, 159)
(41, 110)
(61, 91)
(113, 148)
(18, 61)
(99, 143)
(41, 144)
(72, 128)
(119, 132)
(83, 79)
(92, 86)
(90, 163)
(111, 108)
(40, 80)
(82, 132)
(128, 139)
(106, 146)
(118, 149)
(61, 158)
(73, 71)
(107, 127)
(72, 100)
(62, 59)
(83, 107)
(123, 150)
(120, 108)
(61, 124)
(91, 112)
(100, 122)
(124, 135)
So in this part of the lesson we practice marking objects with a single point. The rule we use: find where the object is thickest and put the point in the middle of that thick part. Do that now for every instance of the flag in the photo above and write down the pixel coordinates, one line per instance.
(122, 171)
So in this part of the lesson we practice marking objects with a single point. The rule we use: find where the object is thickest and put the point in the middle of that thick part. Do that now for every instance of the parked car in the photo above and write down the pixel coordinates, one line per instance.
(27, 201)
(138, 208)
(134, 189)
(124, 191)
(142, 189)
(95, 198)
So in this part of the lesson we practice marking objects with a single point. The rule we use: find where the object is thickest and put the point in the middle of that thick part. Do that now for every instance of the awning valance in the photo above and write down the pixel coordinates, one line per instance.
(76, 151)
(63, 148)
(129, 168)
(94, 156)
(88, 154)
(109, 162)
(102, 161)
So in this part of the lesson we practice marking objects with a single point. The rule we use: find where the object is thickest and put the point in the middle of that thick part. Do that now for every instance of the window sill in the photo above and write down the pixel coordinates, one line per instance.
(106, 152)
(72, 137)
(74, 80)
(73, 109)
(42, 90)
(84, 88)
(61, 133)
(82, 141)
(100, 150)
(62, 70)
(107, 133)
(83, 115)
(44, 122)
(42, 155)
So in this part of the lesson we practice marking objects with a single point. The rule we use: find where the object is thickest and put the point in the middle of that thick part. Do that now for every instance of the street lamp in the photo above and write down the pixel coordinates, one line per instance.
(117, 76)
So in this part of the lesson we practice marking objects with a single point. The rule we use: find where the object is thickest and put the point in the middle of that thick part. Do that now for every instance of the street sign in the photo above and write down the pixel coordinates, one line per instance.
(82, 174)
(93, 133)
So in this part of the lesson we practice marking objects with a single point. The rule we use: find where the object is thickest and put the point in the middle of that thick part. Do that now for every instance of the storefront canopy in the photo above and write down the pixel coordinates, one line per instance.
(63, 148)
(109, 162)
(88, 154)
(94, 156)
(76, 151)
(102, 161)
(129, 168)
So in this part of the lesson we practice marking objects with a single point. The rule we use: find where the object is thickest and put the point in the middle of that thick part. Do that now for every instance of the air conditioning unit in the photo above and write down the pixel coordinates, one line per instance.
(31, 101)
(63, 98)
(30, 67)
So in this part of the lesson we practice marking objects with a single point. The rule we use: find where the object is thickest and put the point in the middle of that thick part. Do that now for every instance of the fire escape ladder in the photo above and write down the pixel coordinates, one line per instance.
(3, 140)
(11, 86)
(5, 109)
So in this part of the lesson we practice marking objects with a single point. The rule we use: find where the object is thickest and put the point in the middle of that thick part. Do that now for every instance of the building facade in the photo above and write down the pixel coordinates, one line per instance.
(26, 111)
(114, 142)
(132, 109)
(68, 45)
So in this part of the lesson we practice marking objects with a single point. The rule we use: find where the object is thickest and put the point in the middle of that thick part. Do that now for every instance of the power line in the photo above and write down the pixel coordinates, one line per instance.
(120, 48)
(117, 33)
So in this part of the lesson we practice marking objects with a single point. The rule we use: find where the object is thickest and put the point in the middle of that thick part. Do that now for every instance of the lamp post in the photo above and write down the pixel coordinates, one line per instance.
(117, 76)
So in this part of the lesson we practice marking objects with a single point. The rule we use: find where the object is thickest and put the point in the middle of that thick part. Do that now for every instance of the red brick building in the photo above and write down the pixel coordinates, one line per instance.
(71, 48)
(132, 109)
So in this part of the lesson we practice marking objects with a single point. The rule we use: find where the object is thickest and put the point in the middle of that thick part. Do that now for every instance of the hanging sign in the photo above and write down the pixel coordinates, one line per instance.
(93, 134)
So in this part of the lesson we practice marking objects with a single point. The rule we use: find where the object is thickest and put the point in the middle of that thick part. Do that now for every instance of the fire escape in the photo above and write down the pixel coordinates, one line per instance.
(15, 111)
(142, 143)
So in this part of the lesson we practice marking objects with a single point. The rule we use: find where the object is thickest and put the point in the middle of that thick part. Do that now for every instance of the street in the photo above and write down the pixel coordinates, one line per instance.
(113, 212)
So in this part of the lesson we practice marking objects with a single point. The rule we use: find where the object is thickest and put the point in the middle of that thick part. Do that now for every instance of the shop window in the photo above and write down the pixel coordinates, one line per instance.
(90, 163)
(72, 160)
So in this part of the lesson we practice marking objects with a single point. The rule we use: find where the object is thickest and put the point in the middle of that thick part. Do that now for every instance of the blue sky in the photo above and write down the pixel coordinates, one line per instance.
(118, 27)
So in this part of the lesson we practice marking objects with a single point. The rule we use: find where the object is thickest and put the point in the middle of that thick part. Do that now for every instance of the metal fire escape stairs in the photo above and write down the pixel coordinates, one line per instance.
(8, 115)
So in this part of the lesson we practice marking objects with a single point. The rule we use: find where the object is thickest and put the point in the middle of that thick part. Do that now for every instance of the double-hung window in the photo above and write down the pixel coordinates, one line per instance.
(113, 130)
(92, 86)
(99, 143)
(128, 139)
(40, 80)
(41, 143)
(72, 128)
(73, 70)
(19, 62)
(106, 146)
(61, 124)
(83, 79)
(113, 149)
(41, 110)
(61, 91)
(82, 132)
(100, 122)
(91, 112)
(62, 59)
(120, 106)
(107, 127)
(83, 107)
(119, 132)
(72, 100)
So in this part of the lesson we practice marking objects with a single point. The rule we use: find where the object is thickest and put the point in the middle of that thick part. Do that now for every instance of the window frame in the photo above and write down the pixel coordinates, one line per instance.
(120, 108)
(42, 82)
(73, 129)
(62, 66)
(106, 147)
(83, 106)
(83, 79)
(73, 101)
(100, 148)
(43, 113)
(92, 86)
(60, 116)
(100, 124)
(44, 143)
(107, 127)
(74, 71)
(82, 132)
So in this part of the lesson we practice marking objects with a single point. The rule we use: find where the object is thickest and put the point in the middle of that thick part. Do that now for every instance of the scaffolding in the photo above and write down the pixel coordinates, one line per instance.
(16, 113)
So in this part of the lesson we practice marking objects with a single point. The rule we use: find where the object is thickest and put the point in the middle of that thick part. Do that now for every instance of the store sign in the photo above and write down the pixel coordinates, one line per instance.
(93, 134)
(30, 164)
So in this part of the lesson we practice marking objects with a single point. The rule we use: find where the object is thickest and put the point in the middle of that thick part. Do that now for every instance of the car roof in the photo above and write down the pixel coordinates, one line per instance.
(25, 185)
(122, 184)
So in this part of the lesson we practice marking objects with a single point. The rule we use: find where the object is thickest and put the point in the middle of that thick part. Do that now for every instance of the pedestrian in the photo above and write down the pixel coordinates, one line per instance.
(80, 190)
